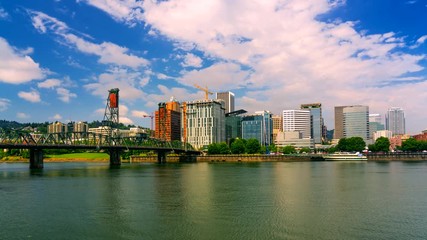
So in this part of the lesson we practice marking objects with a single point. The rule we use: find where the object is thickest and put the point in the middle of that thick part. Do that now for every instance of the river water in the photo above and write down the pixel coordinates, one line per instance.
(299, 200)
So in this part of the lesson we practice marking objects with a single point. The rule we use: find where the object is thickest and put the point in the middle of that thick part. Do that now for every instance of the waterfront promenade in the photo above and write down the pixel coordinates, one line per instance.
(280, 158)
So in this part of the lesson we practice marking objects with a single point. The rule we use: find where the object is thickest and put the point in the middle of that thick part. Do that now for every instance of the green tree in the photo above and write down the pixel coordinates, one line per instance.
(411, 145)
(272, 148)
(373, 148)
(237, 146)
(289, 150)
(305, 150)
(223, 148)
(331, 149)
(213, 148)
(252, 146)
(382, 144)
(353, 144)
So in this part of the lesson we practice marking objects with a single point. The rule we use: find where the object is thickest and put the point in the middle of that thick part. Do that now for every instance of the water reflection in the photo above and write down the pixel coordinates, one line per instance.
(318, 200)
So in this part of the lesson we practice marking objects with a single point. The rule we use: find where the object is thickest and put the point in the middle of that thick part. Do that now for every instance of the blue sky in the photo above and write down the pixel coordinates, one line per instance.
(59, 58)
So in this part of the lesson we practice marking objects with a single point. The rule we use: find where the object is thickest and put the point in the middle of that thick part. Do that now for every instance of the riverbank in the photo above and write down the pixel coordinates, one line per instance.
(70, 157)
(104, 157)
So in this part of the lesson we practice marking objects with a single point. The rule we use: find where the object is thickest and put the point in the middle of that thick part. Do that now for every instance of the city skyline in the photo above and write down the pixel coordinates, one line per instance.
(62, 55)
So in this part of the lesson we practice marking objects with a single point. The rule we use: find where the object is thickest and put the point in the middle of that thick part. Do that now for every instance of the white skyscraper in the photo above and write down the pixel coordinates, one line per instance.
(297, 120)
(395, 121)
(204, 122)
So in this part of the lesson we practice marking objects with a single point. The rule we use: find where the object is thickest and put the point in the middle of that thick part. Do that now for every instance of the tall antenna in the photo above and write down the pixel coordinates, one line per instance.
(111, 114)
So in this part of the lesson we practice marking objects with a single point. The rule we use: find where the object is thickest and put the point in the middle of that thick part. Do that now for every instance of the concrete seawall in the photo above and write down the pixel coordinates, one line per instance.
(228, 158)
(275, 158)
(397, 157)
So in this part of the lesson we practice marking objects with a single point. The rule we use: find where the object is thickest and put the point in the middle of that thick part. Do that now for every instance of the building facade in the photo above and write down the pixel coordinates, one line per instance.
(228, 98)
(316, 121)
(258, 126)
(381, 133)
(339, 122)
(352, 121)
(233, 125)
(80, 127)
(204, 122)
(168, 121)
(293, 139)
(395, 121)
(422, 136)
(57, 127)
(375, 124)
(297, 120)
(277, 125)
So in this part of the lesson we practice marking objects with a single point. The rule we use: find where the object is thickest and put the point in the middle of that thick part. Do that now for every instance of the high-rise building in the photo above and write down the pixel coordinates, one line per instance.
(352, 121)
(395, 121)
(258, 126)
(339, 122)
(297, 120)
(233, 125)
(375, 124)
(228, 98)
(204, 122)
(168, 121)
(316, 121)
(277, 125)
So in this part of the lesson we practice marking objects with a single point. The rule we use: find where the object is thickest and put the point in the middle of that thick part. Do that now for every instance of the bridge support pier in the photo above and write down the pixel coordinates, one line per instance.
(115, 157)
(36, 158)
(161, 156)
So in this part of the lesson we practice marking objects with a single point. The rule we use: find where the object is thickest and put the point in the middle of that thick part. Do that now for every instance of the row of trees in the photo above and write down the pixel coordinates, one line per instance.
(250, 146)
(353, 144)
(382, 144)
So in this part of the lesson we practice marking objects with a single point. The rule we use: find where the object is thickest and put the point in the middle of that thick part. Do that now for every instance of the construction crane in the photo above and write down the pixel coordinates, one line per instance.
(150, 116)
(206, 90)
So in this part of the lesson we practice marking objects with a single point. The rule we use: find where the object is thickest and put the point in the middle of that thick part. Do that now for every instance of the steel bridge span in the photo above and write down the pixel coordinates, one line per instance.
(114, 146)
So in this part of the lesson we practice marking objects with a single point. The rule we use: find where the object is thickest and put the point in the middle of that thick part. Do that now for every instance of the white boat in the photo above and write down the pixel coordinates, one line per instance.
(345, 156)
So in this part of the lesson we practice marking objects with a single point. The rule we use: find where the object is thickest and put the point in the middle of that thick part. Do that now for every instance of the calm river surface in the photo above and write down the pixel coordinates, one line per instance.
(302, 200)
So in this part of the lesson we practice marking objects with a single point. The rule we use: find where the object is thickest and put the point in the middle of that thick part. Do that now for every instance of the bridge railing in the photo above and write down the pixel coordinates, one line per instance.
(14, 137)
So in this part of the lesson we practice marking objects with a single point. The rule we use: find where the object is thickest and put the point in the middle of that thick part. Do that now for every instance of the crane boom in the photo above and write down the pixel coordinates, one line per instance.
(206, 90)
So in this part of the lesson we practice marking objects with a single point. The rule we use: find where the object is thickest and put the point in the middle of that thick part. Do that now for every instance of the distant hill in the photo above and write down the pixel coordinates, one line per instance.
(11, 124)
(42, 127)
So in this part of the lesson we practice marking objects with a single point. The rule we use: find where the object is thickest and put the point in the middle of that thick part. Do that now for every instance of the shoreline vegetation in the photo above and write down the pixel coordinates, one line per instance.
(69, 157)
(173, 158)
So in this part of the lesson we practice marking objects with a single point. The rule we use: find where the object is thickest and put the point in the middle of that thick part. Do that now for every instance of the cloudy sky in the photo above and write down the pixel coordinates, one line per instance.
(59, 58)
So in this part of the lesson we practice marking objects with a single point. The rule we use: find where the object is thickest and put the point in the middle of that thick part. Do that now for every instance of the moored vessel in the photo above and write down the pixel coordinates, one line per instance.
(345, 156)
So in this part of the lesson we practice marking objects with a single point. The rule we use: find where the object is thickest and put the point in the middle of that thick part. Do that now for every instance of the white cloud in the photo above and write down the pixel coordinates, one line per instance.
(108, 53)
(191, 60)
(128, 11)
(22, 115)
(125, 120)
(4, 104)
(49, 83)
(163, 76)
(216, 77)
(123, 110)
(180, 94)
(419, 42)
(3, 14)
(139, 114)
(127, 81)
(56, 117)
(32, 96)
(283, 55)
(65, 95)
(16, 67)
